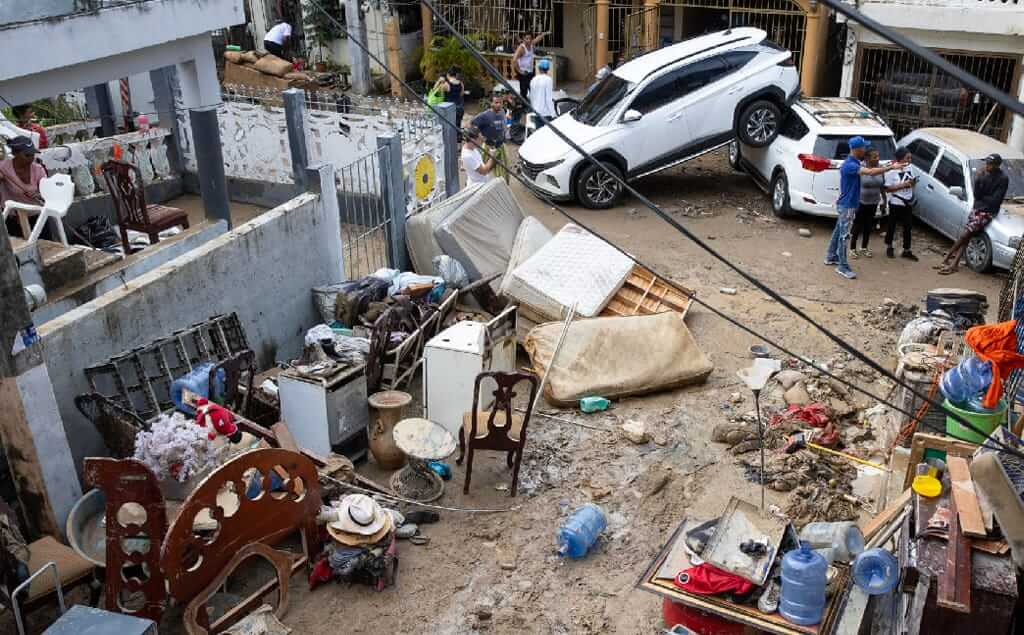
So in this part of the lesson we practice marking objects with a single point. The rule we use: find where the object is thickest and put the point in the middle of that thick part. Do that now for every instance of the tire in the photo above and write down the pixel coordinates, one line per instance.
(734, 156)
(779, 192)
(595, 189)
(978, 253)
(759, 123)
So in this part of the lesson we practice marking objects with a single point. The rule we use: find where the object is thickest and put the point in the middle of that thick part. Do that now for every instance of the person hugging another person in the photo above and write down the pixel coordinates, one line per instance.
(870, 196)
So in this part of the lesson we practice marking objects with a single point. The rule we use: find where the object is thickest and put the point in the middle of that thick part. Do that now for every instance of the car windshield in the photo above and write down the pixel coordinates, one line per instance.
(599, 102)
(835, 146)
(1014, 169)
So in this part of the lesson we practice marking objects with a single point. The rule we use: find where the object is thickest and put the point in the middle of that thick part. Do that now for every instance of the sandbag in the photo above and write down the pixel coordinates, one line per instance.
(250, 57)
(616, 357)
(233, 56)
(299, 75)
(273, 65)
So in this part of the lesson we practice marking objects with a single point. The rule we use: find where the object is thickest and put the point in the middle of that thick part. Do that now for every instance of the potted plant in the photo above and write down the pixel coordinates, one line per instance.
(448, 52)
(323, 22)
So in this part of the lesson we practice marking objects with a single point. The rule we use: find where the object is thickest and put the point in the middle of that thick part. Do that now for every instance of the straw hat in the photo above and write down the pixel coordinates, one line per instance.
(360, 521)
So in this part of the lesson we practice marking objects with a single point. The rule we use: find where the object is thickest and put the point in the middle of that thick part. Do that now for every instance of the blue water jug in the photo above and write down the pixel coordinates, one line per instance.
(876, 571)
(802, 600)
(197, 382)
(580, 531)
(969, 378)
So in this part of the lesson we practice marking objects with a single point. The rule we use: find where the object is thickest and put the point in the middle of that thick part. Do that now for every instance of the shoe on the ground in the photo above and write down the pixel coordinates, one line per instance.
(867, 253)
(889, 251)
(831, 263)
(846, 272)
(854, 254)
(909, 255)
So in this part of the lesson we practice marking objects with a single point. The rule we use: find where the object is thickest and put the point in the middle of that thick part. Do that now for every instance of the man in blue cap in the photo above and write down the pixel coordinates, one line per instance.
(542, 90)
(849, 200)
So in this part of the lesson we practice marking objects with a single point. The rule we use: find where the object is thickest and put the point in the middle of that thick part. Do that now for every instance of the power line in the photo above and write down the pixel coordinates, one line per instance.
(750, 278)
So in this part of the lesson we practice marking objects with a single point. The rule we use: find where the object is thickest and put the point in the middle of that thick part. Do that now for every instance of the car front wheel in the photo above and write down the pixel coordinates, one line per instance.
(597, 188)
(979, 253)
(780, 195)
(734, 156)
(758, 124)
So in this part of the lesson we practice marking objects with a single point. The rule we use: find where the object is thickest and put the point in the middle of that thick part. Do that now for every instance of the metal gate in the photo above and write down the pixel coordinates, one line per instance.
(911, 94)
(366, 223)
(588, 26)
(641, 32)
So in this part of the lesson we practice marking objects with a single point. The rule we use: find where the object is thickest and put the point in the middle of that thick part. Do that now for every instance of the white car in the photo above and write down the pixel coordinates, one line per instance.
(799, 170)
(946, 162)
(661, 109)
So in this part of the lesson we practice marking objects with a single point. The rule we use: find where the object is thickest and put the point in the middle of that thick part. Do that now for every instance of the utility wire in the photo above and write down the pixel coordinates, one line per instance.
(1000, 446)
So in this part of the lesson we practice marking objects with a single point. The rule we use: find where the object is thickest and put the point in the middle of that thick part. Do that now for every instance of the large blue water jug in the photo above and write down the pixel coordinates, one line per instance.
(802, 600)
(197, 382)
(580, 531)
(969, 378)
(876, 571)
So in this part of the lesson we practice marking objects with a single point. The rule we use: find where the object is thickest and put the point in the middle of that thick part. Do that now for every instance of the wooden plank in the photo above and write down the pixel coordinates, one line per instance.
(644, 293)
(924, 441)
(889, 514)
(284, 436)
(954, 590)
(853, 612)
(967, 506)
(917, 604)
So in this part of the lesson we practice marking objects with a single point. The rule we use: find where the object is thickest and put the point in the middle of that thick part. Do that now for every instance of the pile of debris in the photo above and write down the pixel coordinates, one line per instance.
(890, 315)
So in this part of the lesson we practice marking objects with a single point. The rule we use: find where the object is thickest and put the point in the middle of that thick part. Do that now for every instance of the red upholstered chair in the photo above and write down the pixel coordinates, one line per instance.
(124, 182)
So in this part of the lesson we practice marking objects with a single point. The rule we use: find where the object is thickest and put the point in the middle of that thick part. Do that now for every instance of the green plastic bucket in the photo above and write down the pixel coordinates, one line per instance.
(987, 421)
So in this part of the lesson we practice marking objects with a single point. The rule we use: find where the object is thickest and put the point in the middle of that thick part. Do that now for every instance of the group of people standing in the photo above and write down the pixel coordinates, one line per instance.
(865, 185)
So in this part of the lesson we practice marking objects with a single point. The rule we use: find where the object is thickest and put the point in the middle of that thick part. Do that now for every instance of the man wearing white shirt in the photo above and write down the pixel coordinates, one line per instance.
(477, 170)
(276, 38)
(899, 189)
(542, 93)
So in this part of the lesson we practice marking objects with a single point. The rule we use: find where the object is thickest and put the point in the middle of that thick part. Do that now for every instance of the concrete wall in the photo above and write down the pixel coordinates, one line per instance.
(263, 269)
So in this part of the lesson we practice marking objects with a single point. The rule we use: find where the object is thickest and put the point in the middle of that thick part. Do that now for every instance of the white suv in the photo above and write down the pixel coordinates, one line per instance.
(661, 109)
(799, 170)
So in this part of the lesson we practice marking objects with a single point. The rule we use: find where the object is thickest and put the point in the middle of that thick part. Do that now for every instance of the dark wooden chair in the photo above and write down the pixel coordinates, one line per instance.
(501, 429)
(124, 182)
(239, 372)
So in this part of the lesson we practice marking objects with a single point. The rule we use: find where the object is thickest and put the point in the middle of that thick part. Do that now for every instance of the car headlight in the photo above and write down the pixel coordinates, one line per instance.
(1013, 242)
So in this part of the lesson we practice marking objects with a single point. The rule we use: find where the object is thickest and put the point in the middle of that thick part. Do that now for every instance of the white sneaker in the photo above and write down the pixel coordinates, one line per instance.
(854, 254)
(867, 253)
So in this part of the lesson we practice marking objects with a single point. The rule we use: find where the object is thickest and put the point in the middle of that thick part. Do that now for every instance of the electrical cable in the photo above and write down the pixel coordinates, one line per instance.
(757, 283)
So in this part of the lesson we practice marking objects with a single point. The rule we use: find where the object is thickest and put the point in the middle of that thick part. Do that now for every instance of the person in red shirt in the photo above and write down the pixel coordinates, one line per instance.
(25, 114)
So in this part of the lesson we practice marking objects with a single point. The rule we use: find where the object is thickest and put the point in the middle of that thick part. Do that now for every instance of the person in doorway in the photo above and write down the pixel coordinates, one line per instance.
(454, 92)
(277, 38)
(26, 121)
(477, 169)
(19, 179)
(849, 200)
(542, 93)
(989, 191)
(870, 197)
(522, 61)
(899, 192)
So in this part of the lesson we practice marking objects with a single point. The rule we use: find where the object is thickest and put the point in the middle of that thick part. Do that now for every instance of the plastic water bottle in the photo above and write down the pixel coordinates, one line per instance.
(969, 378)
(844, 539)
(802, 600)
(580, 531)
(876, 571)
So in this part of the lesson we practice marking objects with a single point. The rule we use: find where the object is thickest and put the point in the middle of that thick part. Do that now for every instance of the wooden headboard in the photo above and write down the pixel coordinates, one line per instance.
(191, 560)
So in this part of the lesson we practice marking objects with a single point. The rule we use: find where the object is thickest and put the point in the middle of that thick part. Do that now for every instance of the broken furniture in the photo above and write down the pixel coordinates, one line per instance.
(220, 517)
(326, 412)
(422, 441)
(235, 382)
(80, 619)
(55, 568)
(57, 191)
(454, 358)
(128, 191)
(501, 429)
(116, 424)
(644, 293)
(617, 357)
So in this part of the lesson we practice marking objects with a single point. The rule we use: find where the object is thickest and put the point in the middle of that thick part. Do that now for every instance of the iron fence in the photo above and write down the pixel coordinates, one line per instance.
(490, 24)
(911, 94)
(366, 224)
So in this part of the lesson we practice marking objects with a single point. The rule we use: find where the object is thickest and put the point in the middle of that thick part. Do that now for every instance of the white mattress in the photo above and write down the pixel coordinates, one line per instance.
(531, 236)
(574, 266)
(479, 233)
(419, 230)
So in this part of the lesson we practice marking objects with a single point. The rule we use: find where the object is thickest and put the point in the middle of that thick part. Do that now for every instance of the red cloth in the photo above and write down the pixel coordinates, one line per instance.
(321, 573)
(996, 343)
(816, 415)
(697, 621)
(705, 579)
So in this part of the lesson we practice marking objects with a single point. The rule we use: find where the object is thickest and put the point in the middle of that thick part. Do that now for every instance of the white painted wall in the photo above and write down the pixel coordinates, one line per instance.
(263, 269)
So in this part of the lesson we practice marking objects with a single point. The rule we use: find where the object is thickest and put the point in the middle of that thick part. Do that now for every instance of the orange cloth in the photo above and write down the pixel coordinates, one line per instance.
(996, 343)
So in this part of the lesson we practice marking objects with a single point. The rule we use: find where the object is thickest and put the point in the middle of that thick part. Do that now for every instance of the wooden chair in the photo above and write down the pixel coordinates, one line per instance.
(504, 430)
(239, 371)
(124, 182)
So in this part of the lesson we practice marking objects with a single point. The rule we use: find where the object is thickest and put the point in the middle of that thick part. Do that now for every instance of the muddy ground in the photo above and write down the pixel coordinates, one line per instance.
(499, 573)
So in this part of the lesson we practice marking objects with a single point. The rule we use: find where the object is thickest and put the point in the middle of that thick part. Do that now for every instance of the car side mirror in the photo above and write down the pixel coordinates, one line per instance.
(631, 116)
(958, 192)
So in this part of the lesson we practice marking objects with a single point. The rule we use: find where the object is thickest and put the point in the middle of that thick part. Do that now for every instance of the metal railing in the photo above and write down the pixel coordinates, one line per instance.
(365, 219)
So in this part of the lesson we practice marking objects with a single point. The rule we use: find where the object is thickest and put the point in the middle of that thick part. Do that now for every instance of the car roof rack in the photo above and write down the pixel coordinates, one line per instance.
(863, 112)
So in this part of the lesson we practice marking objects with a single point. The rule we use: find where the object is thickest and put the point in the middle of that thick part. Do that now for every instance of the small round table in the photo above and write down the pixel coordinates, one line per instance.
(422, 441)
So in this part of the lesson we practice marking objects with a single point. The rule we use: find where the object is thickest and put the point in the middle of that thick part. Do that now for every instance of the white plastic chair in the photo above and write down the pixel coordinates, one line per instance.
(57, 191)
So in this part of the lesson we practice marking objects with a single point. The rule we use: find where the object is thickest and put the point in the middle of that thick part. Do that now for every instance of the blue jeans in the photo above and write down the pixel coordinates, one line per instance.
(837, 245)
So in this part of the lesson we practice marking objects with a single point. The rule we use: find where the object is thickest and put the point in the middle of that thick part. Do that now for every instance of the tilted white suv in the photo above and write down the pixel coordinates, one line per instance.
(799, 170)
(661, 109)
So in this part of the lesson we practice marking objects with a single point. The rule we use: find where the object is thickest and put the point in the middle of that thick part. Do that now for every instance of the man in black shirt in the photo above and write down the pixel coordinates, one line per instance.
(491, 122)
(989, 190)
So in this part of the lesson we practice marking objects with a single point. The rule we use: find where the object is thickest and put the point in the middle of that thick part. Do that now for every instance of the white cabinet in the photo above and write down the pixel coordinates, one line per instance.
(325, 413)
